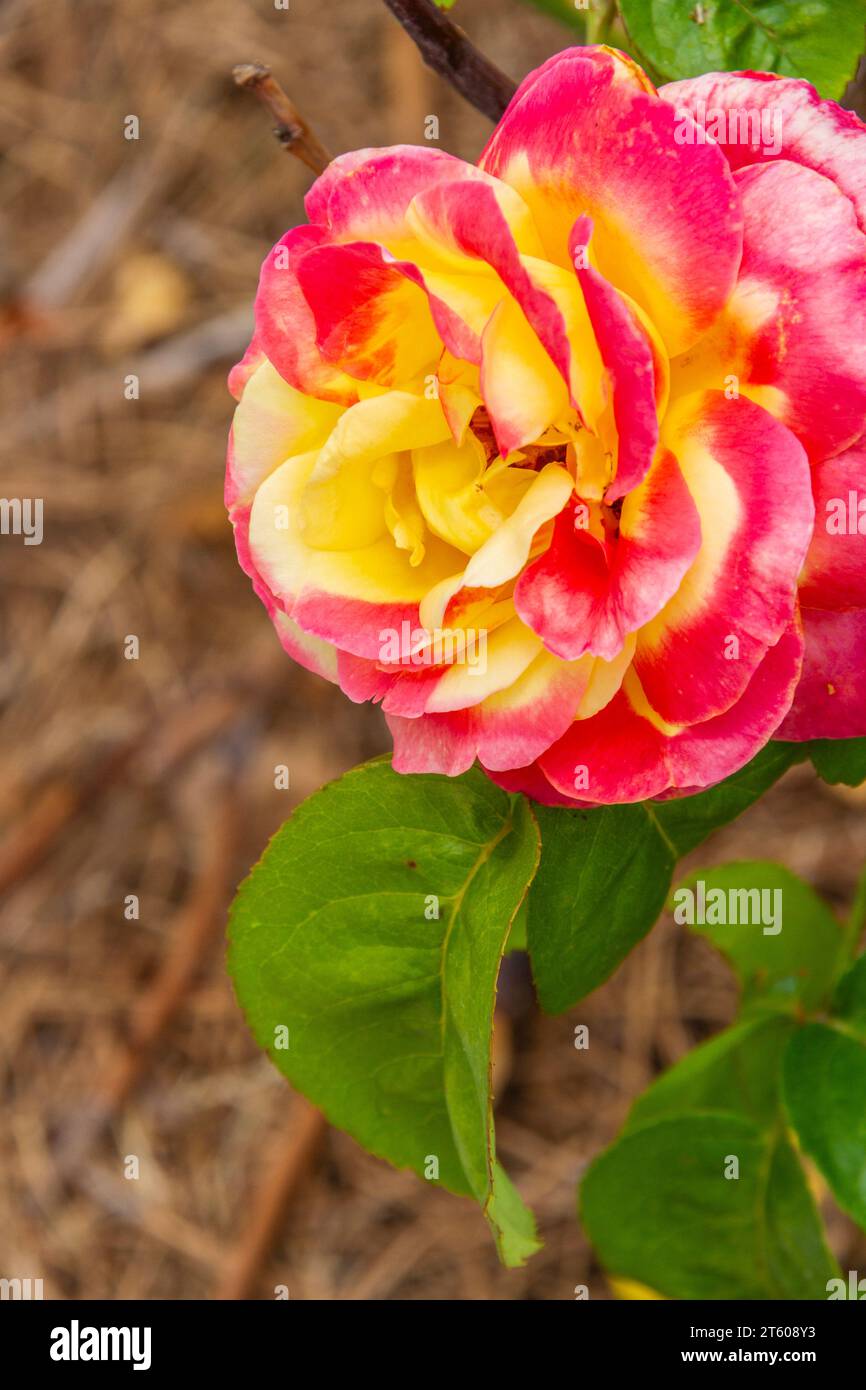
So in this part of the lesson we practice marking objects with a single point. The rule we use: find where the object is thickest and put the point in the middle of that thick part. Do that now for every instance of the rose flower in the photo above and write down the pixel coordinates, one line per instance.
(560, 458)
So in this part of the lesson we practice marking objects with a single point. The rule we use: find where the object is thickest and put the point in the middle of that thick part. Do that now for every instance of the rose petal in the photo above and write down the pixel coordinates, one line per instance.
(750, 481)
(793, 336)
(764, 117)
(587, 133)
(622, 755)
(585, 594)
(830, 701)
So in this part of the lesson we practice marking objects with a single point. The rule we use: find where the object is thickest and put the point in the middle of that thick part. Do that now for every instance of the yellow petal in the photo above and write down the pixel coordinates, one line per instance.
(506, 552)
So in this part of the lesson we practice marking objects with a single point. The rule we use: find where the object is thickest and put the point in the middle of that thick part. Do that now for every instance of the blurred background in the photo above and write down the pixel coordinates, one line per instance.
(146, 1149)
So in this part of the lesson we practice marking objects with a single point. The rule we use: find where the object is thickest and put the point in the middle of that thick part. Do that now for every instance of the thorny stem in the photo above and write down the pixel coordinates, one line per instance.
(446, 49)
(291, 130)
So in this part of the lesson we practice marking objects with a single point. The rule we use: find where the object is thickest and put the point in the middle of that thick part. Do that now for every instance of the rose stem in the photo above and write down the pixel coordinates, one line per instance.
(446, 49)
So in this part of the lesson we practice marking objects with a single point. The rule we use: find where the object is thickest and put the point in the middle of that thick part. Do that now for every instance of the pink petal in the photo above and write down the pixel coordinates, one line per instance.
(587, 133)
(370, 319)
(797, 125)
(584, 594)
(834, 575)
(750, 481)
(363, 195)
(831, 698)
(794, 332)
(636, 370)
(619, 755)
(509, 729)
(285, 327)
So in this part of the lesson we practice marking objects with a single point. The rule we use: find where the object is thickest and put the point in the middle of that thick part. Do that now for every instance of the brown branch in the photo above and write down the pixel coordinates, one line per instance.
(161, 743)
(195, 927)
(291, 129)
(855, 93)
(293, 1154)
(446, 49)
(51, 811)
(199, 922)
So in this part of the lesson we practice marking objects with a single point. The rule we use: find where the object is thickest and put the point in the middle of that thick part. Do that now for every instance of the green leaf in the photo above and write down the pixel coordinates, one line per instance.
(816, 39)
(389, 1009)
(738, 1071)
(825, 1094)
(602, 882)
(839, 759)
(857, 915)
(517, 935)
(849, 1001)
(658, 1209)
(605, 874)
(788, 950)
(688, 820)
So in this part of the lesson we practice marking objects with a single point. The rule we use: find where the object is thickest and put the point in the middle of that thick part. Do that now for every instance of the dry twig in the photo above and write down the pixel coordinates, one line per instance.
(293, 1153)
(195, 927)
(200, 920)
(291, 130)
(54, 807)
(163, 742)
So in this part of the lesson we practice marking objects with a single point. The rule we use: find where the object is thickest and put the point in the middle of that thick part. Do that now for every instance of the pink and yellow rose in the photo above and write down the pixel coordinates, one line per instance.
(560, 457)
